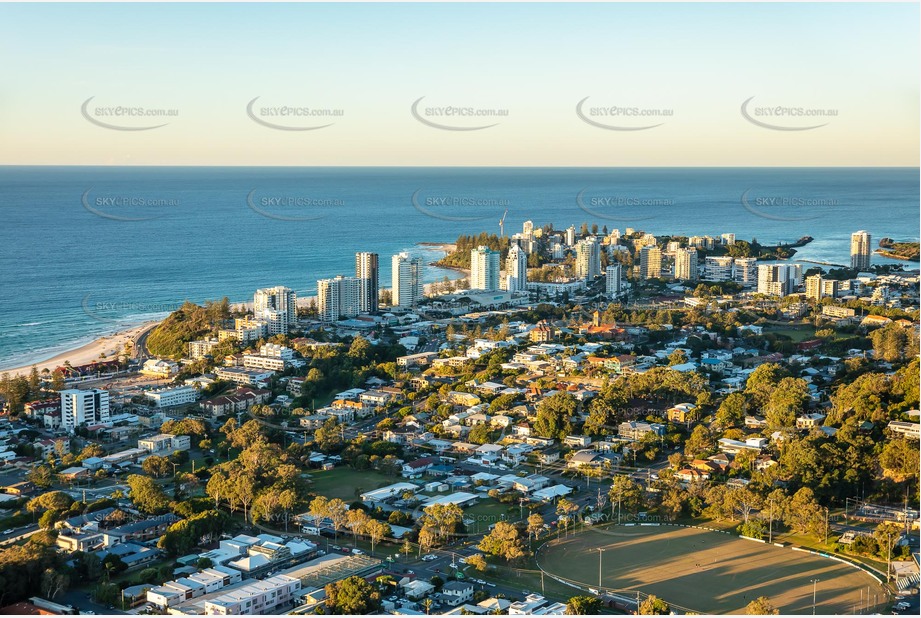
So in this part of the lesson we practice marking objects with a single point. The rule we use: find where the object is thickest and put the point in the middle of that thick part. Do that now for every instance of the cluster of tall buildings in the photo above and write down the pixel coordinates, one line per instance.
(779, 279)
(347, 297)
(588, 258)
(485, 272)
(277, 307)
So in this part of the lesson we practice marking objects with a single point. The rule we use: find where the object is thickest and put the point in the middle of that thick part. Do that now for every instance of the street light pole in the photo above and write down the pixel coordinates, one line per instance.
(888, 557)
(600, 552)
(814, 582)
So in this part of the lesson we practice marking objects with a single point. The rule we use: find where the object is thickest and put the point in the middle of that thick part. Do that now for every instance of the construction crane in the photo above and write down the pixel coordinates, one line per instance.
(502, 224)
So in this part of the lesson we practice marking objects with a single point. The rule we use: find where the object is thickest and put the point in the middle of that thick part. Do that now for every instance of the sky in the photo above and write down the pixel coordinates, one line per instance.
(659, 84)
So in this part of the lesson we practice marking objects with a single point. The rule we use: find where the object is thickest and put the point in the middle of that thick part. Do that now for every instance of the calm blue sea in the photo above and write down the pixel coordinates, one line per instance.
(89, 250)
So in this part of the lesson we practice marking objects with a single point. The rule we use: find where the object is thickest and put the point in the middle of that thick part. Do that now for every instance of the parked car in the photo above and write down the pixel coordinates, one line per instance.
(357, 552)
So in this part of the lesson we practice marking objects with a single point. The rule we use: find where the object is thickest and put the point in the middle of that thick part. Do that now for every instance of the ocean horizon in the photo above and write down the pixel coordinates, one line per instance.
(90, 250)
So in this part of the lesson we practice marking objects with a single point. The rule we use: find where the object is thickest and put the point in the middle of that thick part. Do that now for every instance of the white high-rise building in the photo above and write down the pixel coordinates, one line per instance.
(368, 271)
(728, 239)
(776, 279)
(588, 258)
(746, 272)
(83, 407)
(860, 250)
(612, 285)
(817, 288)
(686, 264)
(407, 281)
(718, 268)
(484, 269)
(277, 307)
(528, 229)
(516, 270)
(571, 235)
(338, 298)
(650, 262)
(795, 275)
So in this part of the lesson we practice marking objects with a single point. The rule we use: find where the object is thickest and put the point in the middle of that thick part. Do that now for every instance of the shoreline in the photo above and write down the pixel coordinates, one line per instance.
(110, 345)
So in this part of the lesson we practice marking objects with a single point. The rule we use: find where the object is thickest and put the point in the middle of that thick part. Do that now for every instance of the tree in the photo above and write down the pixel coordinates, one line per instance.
(156, 466)
(48, 519)
(479, 434)
(583, 606)
(478, 562)
(761, 606)
(41, 476)
(554, 414)
(443, 518)
(893, 343)
(352, 595)
(653, 605)
(763, 381)
(678, 357)
(899, 459)
(428, 537)
(328, 437)
(337, 511)
(699, 443)
(503, 541)
(803, 514)
(356, 521)
(318, 510)
(731, 412)
(57, 500)
(53, 583)
(146, 494)
(626, 493)
(786, 402)
(377, 530)
(535, 525)
(565, 509)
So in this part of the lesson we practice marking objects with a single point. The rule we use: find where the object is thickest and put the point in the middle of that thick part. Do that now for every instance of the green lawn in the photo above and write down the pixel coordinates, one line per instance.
(348, 484)
(490, 511)
(796, 333)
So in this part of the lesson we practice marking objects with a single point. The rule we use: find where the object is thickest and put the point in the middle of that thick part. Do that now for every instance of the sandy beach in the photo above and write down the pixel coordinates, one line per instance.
(109, 345)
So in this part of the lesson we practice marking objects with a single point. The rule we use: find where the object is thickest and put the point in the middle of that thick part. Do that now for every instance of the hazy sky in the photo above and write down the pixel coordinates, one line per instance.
(690, 65)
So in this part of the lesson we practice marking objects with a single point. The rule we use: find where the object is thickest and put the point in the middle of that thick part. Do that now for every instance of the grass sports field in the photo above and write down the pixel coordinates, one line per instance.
(708, 572)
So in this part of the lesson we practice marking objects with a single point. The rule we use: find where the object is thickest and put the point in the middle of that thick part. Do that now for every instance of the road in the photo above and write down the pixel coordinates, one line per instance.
(17, 534)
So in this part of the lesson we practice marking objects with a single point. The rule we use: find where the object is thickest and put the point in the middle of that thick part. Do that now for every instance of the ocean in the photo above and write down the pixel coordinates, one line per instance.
(90, 250)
